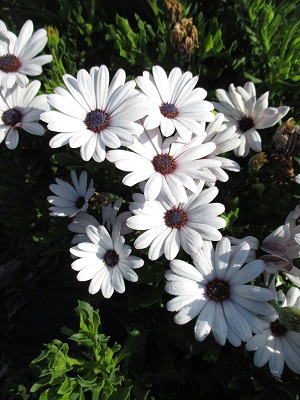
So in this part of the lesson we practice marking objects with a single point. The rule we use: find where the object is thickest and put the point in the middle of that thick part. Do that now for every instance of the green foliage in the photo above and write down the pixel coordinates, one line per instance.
(272, 30)
(91, 366)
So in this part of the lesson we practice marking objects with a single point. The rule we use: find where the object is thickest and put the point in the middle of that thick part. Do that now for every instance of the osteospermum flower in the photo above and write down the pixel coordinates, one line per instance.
(243, 110)
(214, 291)
(175, 104)
(70, 199)
(105, 260)
(277, 345)
(109, 219)
(282, 247)
(225, 140)
(169, 169)
(20, 108)
(18, 54)
(171, 225)
(92, 114)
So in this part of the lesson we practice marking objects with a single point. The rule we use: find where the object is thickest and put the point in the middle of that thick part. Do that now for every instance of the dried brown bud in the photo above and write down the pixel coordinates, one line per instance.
(287, 138)
(257, 161)
(174, 10)
(282, 167)
(185, 36)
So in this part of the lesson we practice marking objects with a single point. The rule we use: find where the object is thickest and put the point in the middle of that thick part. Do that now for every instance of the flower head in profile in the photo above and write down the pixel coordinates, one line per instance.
(277, 345)
(169, 168)
(109, 219)
(105, 260)
(171, 225)
(18, 54)
(92, 114)
(247, 114)
(214, 291)
(70, 199)
(20, 108)
(225, 140)
(175, 104)
(282, 246)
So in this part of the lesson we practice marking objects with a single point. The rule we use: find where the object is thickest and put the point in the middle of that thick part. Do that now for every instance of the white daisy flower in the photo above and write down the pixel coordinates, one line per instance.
(109, 219)
(225, 140)
(105, 260)
(70, 199)
(20, 108)
(283, 246)
(253, 243)
(243, 110)
(169, 169)
(110, 216)
(175, 104)
(18, 54)
(214, 291)
(92, 114)
(277, 345)
(171, 225)
(79, 224)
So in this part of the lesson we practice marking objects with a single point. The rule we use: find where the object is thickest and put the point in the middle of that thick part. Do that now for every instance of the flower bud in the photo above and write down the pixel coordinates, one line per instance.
(53, 37)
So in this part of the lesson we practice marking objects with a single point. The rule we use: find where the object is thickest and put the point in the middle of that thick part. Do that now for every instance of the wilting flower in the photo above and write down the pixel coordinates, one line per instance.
(214, 291)
(174, 103)
(18, 54)
(243, 110)
(169, 168)
(171, 225)
(277, 345)
(105, 260)
(70, 199)
(92, 114)
(20, 108)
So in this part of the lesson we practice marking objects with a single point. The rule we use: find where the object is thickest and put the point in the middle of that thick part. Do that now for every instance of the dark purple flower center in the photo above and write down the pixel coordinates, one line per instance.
(80, 202)
(217, 290)
(11, 117)
(246, 123)
(111, 258)
(277, 328)
(175, 218)
(96, 120)
(168, 110)
(164, 164)
(9, 63)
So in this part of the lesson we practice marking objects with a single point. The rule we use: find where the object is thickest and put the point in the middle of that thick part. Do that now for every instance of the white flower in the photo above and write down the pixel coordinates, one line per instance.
(253, 243)
(109, 219)
(171, 225)
(105, 260)
(282, 246)
(20, 108)
(276, 344)
(70, 199)
(79, 224)
(225, 140)
(175, 104)
(92, 114)
(169, 168)
(214, 291)
(18, 54)
(243, 110)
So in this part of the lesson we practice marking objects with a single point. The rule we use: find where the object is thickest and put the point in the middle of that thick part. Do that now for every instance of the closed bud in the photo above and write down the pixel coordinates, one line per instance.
(53, 37)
